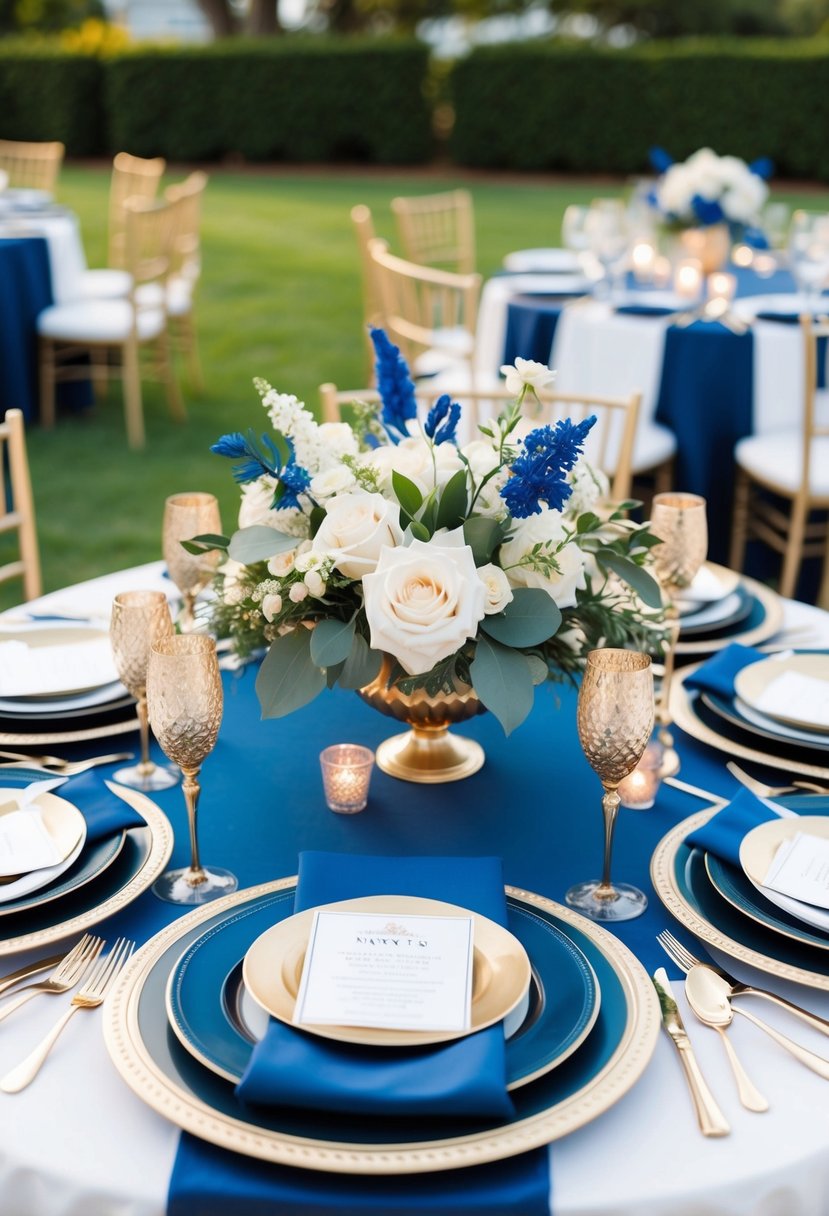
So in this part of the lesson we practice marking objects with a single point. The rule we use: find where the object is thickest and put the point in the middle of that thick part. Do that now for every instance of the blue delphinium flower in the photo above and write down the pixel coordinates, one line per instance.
(538, 474)
(442, 420)
(707, 210)
(394, 385)
(660, 159)
(264, 461)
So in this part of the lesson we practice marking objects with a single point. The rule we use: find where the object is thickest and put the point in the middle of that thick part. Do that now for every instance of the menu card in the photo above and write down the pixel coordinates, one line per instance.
(392, 972)
(800, 868)
(799, 697)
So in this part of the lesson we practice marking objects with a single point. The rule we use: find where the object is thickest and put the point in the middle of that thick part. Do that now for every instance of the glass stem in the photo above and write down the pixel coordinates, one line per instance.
(145, 766)
(672, 615)
(196, 875)
(610, 807)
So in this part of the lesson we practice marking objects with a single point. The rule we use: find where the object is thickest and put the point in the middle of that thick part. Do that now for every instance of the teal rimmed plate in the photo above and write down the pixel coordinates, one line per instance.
(209, 1012)
(730, 711)
(735, 887)
(762, 622)
(682, 883)
(155, 1065)
(714, 618)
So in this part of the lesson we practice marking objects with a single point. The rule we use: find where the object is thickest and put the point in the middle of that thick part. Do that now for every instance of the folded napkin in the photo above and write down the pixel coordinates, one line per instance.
(463, 1077)
(717, 674)
(644, 310)
(105, 814)
(724, 832)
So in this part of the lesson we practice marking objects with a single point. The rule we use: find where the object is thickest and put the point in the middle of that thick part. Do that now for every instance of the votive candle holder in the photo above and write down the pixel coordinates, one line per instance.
(346, 774)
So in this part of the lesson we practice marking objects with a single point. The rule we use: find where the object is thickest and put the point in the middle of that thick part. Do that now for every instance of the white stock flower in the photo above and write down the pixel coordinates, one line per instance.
(271, 606)
(589, 485)
(527, 372)
(255, 506)
(414, 458)
(496, 588)
(332, 481)
(546, 529)
(311, 559)
(355, 530)
(339, 439)
(424, 601)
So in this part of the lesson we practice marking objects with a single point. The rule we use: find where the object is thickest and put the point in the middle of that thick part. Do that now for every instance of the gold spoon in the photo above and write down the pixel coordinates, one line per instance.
(750, 1095)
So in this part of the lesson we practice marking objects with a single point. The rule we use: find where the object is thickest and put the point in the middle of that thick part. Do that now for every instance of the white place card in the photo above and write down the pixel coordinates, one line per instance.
(30, 671)
(796, 696)
(25, 844)
(800, 869)
(409, 973)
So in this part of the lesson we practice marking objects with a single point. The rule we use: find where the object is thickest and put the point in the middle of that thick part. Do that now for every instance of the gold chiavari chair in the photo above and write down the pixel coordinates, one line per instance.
(185, 271)
(609, 445)
(132, 177)
(102, 328)
(437, 229)
(19, 514)
(792, 465)
(31, 166)
(431, 314)
(363, 225)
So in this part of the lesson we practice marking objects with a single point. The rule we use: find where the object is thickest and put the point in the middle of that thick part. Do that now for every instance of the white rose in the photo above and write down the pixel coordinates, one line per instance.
(271, 606)
(332, 481)
(424, 601)
(536, 376)
(339, 438)
(355, 530)
(282, 563)
(547, 529)
(496, 588)
(482, 457)
(414, 458)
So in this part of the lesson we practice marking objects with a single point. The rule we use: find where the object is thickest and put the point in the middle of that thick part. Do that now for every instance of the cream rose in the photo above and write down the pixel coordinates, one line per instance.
(332, 481)
(497, 590)
(424, 601)
(546, 529)
(355, 530)
(413, 458)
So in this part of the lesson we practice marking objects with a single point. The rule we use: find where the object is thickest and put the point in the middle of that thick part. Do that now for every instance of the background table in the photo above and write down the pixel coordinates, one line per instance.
(78, 1141)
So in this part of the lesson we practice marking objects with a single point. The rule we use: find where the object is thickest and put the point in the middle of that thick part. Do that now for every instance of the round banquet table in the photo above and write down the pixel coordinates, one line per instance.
(78, 1142)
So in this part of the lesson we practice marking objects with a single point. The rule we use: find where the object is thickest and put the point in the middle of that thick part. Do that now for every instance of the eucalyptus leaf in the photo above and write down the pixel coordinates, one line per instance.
(538, 668)
(205, 543)
(502, 680)
(528, 620)
(331, 642)
(453, 502)
(258, 543)
(362, 665)
(642, 583)
(587, 522)
(406, 493)
(288, 677)
(332, 674)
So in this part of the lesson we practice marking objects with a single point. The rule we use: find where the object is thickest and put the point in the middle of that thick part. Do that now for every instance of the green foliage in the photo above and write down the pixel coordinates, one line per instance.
(581, 108)
(529, 619)
(288, 677)
(45, 15)
(259, 543)
(331, 642)
(48, 94)
(502, 679)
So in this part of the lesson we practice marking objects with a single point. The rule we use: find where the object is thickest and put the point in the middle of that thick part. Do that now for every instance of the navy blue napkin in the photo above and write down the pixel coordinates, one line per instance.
(717, 674)
(105, 814)
(464, 1077)
(723, 833)
(644, 310)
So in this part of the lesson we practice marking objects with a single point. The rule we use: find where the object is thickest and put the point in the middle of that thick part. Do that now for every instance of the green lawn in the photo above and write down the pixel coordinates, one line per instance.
(280, 299)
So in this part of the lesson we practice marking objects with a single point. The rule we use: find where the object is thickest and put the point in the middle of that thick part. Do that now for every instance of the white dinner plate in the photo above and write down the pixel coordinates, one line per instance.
(711, 584)
(554, 285)
(786, 304)
(757, 850)
(61, 658)
(21, 706)
(711, 614)
(67, 827)
(752, 685)
(554, 261)
(650, 299)
(780, 730)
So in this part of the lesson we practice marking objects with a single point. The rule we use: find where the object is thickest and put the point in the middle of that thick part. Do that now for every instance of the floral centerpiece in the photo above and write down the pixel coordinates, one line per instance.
(384, 544)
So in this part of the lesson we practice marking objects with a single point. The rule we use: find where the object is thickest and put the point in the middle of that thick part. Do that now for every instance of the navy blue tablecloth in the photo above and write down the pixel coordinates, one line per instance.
(25, 290)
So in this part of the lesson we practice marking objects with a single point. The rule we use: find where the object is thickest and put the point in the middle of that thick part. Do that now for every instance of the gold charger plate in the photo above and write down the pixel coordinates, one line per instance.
(38, 739)
(684, 717)
(138, 1068)
(161, 846)
(768, 627)
(664, 881)
(752, 682)
(501, 971)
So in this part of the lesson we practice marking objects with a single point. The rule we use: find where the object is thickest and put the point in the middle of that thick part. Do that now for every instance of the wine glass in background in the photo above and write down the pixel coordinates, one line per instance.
(615, 719)
(184, 696)
(140, 618)
(775, 221)
(185, 516)
(573, 234)
(808, 249)
(608, 236)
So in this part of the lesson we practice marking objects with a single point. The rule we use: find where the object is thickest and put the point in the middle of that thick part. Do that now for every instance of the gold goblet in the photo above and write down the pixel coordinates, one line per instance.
(615, 720)
(186, 516)
(680, 522)
(184, 696)
(140, 618)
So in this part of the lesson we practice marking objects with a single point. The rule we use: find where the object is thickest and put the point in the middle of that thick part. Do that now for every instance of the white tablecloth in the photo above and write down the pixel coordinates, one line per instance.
(78, 1142)
(67, 260)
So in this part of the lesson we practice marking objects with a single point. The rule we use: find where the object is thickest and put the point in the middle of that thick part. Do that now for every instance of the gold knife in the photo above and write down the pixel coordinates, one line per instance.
(44, 964)
(712, 1122)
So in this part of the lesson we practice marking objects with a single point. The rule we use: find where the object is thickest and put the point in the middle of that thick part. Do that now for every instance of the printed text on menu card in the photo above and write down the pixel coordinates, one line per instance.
(392, 972)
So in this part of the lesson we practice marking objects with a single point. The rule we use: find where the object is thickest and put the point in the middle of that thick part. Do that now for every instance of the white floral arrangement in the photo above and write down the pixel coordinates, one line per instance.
(494, 564)
(710, 189)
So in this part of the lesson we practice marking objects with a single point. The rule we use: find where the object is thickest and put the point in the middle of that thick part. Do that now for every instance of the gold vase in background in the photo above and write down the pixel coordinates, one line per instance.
(711, 246)
(427, 753)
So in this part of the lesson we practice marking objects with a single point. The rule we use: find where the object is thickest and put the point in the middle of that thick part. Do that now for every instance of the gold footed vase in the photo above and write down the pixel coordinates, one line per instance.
(710, 245)
(427, 753)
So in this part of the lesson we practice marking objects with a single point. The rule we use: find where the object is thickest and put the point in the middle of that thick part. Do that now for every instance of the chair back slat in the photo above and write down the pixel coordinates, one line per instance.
(18, 501)
(437, 229)
(132, 177)
(31, 166)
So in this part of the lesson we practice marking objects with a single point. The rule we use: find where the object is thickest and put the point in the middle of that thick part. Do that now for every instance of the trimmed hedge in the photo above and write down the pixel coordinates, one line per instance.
(548, 106)
(283, 99)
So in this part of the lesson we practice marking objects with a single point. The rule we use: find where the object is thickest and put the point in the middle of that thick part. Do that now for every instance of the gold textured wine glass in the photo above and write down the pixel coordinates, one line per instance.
(615, 720)
(185, 516)
(138, 619)
(184, 697)
(681, 523)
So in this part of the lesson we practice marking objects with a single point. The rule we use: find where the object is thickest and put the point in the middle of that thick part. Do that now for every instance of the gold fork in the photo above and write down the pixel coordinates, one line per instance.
(772, 791)
(58, 767)
(89, 996)
(66, 975)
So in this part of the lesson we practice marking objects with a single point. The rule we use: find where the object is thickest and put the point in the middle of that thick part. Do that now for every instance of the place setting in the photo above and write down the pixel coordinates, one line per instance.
(721, 606)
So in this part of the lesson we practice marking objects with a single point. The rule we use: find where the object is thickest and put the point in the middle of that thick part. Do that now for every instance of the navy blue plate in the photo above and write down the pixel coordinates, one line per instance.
(734, 886)
(729, 710)
(205, 988)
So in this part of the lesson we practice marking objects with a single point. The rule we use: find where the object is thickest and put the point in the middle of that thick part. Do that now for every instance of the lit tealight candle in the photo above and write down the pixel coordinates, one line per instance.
(346, 773)
(742, 255)
(721, 286)
(765, 265)
(688, 279)
(643, 259)
(638, 790)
